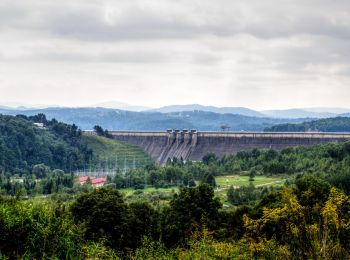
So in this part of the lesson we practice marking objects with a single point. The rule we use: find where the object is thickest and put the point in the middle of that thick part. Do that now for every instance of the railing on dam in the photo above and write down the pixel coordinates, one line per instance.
(138, 133)
(318, 135)
(276, 135)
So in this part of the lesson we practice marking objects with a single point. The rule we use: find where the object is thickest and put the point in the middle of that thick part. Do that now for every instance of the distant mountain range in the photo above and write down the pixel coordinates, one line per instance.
(203, 118)
(120, 105)
(313, 112)
(115, 119)
(297, 113)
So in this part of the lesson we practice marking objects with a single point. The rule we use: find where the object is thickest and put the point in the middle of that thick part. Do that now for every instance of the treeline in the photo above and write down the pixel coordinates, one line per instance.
(55, 144)
(176, 173)
(308, 220)
(100, 132)
(337, 124)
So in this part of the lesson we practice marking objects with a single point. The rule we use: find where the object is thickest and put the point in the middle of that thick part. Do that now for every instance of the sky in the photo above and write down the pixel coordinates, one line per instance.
(270, 54)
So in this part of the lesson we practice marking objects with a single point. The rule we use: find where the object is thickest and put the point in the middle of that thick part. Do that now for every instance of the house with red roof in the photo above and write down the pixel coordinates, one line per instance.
(96, 182)
(82, 180)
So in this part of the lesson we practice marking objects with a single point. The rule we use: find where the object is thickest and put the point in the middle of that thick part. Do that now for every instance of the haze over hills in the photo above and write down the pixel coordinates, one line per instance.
(120, 105)
(298, 113)
(334, 110)
(24, 106)
(310, 112)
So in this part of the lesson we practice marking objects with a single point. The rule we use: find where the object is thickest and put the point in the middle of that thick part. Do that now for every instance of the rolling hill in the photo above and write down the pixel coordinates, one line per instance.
(220, 110)
(114, 119)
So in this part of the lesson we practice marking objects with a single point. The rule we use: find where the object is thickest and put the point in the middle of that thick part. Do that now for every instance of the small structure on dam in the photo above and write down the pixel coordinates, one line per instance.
(193, 145)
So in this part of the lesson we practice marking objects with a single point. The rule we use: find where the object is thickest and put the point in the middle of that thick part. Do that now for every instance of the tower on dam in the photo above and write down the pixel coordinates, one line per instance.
(193, 145)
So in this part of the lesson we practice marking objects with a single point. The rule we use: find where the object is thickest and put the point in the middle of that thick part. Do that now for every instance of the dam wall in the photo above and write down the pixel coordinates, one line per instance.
(193, 145)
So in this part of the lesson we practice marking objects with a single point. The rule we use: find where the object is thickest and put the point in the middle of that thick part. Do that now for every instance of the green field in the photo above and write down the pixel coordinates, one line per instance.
(156, 197)
(111, 154)
(130, 191)
(238, 181)
(223, 184)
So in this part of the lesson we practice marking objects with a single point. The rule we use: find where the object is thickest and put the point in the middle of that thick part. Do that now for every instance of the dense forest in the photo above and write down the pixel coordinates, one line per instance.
(24, 144)
(337, 124)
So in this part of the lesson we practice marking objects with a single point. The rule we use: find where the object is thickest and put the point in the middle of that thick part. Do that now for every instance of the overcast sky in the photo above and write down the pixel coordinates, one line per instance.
(253, 53)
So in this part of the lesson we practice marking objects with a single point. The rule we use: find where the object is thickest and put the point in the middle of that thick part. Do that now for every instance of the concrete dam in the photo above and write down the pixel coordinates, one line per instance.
(193, 145)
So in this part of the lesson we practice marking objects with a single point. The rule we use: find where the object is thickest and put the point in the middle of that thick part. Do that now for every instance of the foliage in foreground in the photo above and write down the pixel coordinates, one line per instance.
(101, 225)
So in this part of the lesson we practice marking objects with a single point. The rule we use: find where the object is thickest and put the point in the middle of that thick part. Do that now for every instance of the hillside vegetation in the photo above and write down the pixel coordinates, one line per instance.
(111, 154)
(337, 124)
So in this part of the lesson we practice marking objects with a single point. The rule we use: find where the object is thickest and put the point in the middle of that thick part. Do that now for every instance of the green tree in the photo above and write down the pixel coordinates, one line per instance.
(105, 215)
(209, 158)
(143, 222)
(41, 171)
(252, 174)
(210, 179)
(99, 130)
(190, 210)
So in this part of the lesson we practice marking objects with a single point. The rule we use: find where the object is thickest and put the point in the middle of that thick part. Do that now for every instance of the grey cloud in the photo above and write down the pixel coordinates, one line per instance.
(206, 59)
(141, 24)
(320, 51)
(11, 14)
(135, 21)
(115, 57)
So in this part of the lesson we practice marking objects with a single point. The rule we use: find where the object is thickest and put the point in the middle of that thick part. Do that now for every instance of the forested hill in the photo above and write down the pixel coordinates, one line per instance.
(23, 144)
(337, 124)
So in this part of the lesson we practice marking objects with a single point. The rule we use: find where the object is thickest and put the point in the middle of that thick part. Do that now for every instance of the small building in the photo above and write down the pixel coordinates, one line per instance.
(98, 182)
(82, 180)
(95, 182)
(17, 180)
(39, 125)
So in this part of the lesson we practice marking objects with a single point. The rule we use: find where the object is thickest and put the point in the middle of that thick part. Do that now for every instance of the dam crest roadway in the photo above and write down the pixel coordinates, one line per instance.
(193, 145)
